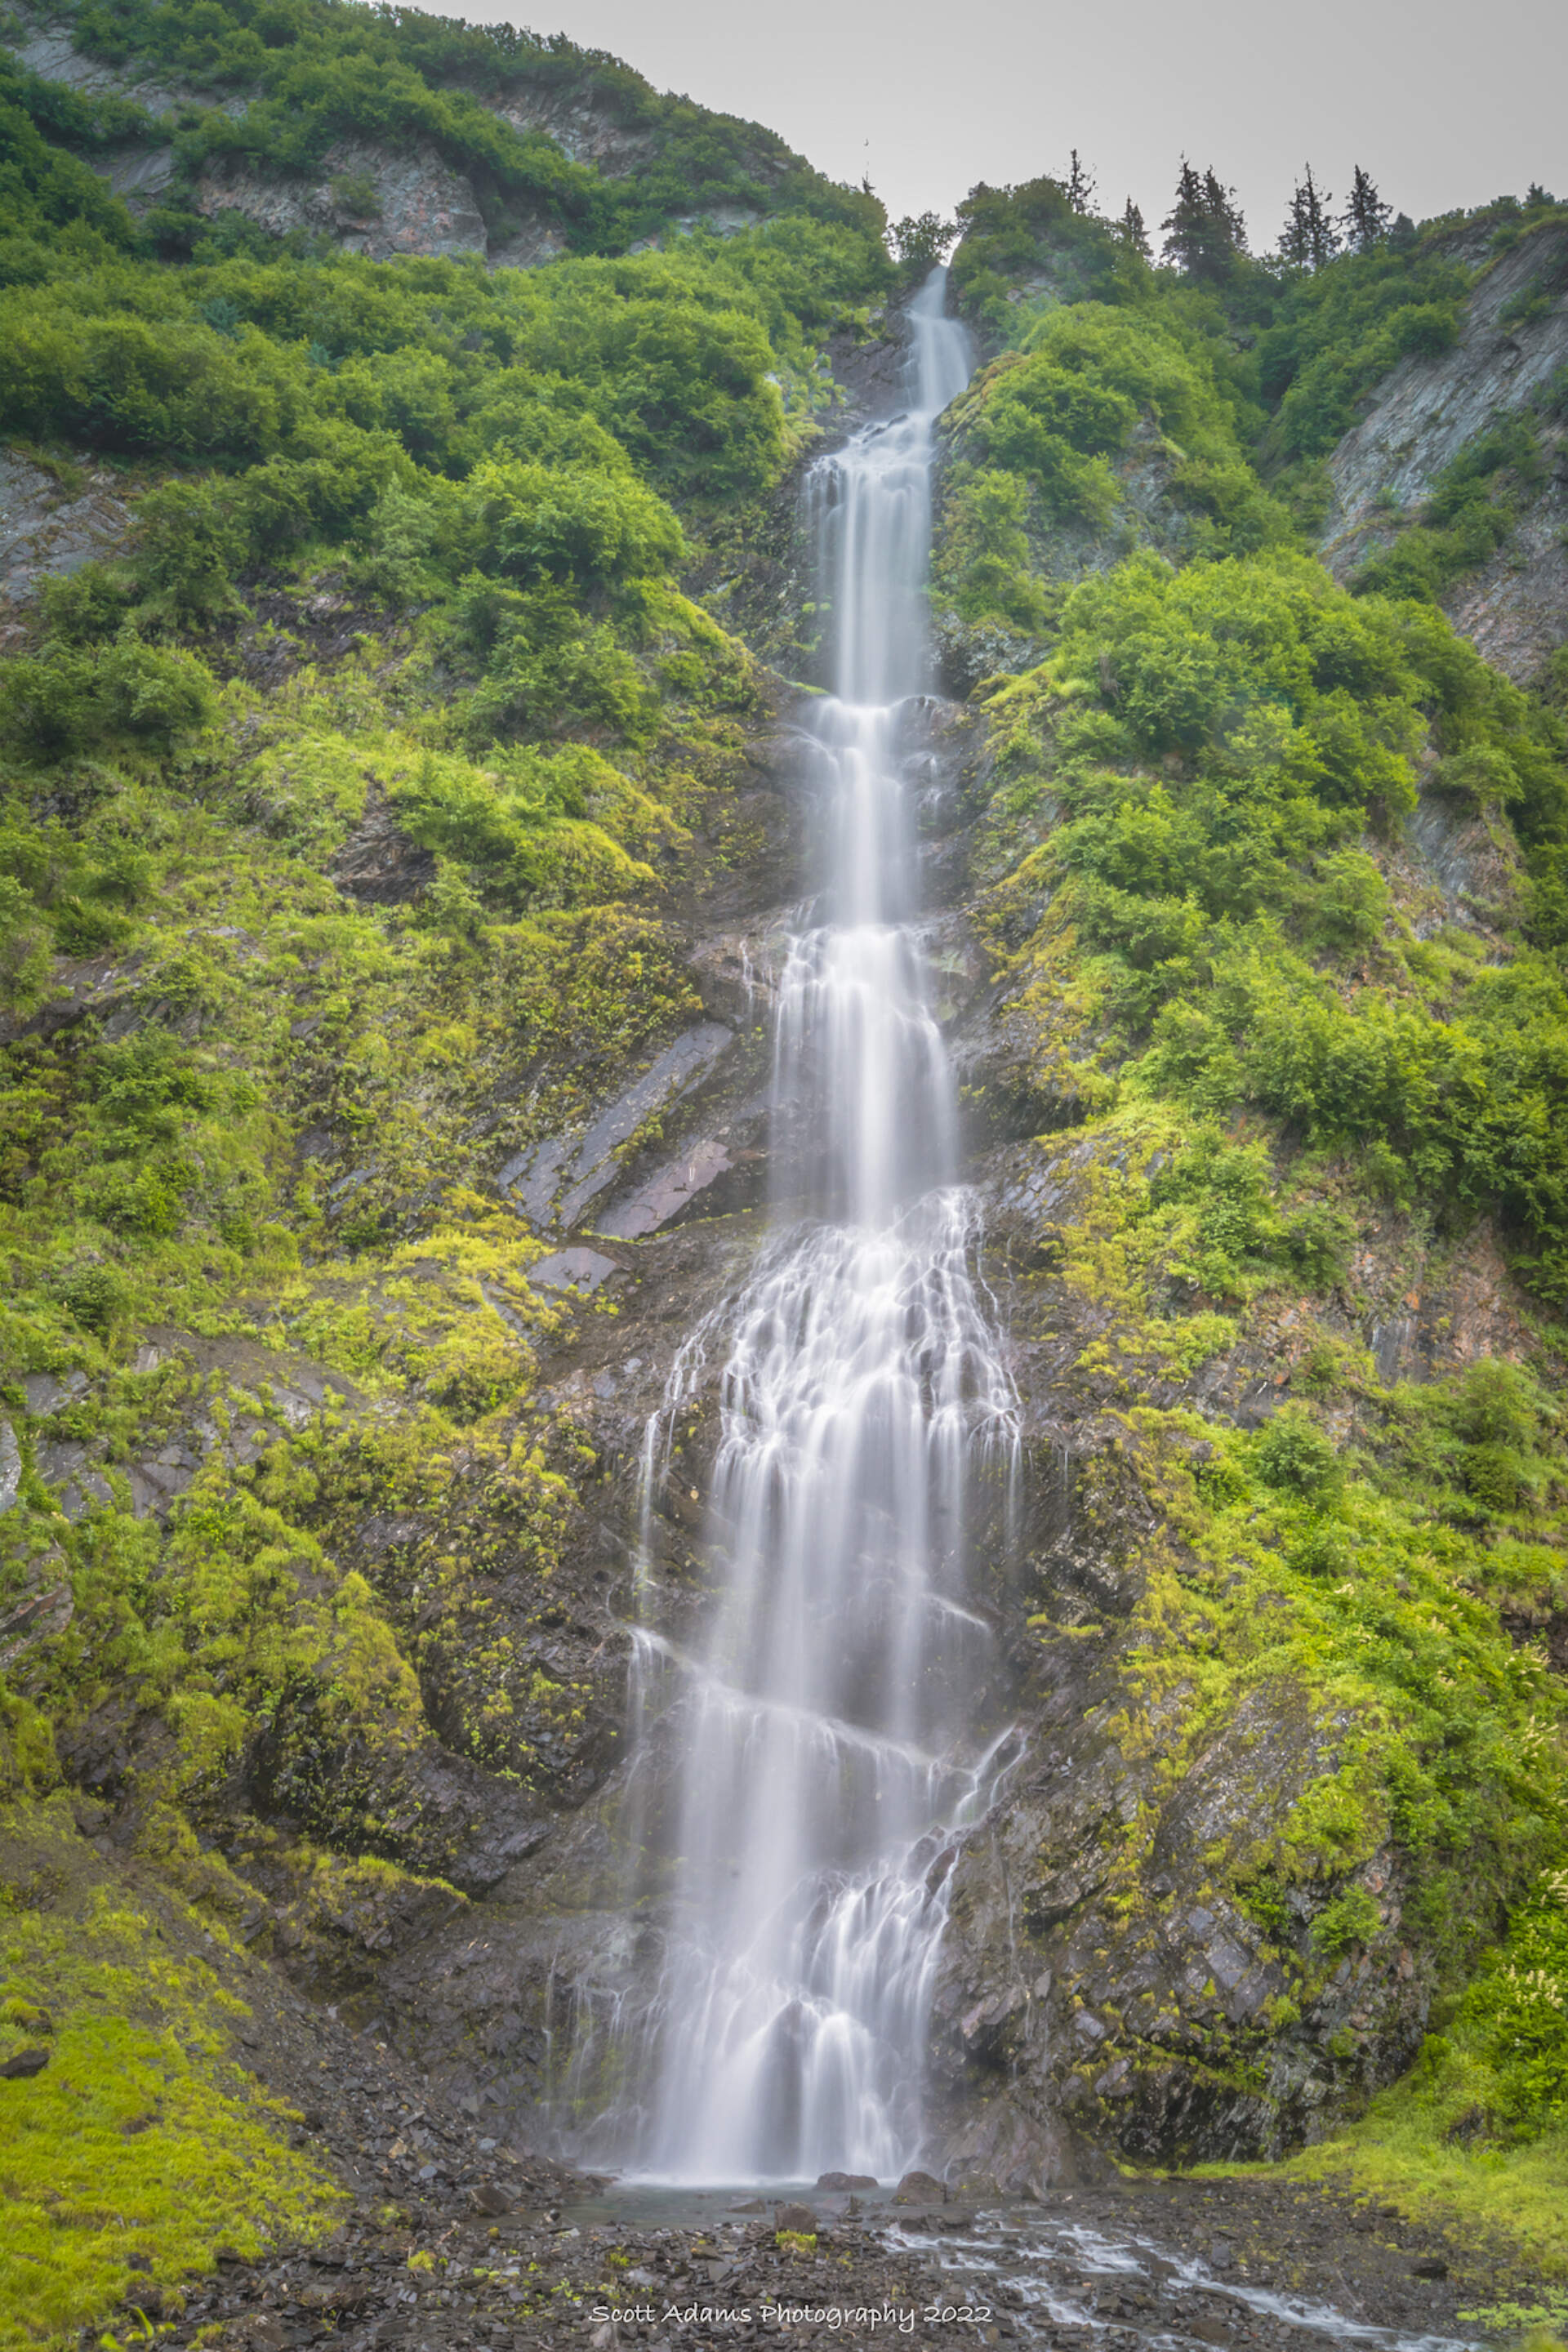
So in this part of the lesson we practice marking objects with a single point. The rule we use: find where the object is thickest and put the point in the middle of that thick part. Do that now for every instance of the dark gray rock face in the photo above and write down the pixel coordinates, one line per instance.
(47, 529)
(670, 1192)
(1514, 609)
(556, 1182)
(378, 862)
(572, 1269)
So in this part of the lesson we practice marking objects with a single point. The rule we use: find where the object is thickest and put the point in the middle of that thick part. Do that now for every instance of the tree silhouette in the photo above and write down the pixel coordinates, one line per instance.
(1132, 231)
(1367, 220)
(1080, 183)
(1308, 238)
(1204, 230)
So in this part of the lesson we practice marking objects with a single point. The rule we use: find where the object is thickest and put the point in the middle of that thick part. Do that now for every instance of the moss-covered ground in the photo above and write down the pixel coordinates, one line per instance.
(143, 2145)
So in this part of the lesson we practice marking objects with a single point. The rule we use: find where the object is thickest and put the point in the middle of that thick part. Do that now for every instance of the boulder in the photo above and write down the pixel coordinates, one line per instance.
(921, 2188)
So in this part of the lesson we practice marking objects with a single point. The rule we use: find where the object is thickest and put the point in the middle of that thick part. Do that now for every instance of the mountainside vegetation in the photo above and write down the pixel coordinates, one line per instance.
(1204, 756)
(417, 581)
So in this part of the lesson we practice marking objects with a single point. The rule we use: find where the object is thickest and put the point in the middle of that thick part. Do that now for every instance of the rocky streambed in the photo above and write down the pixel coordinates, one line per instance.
(453, 2233)
(490, 2259)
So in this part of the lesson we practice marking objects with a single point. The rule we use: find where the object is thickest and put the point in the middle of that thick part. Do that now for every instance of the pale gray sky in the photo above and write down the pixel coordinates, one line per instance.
(1444, 103)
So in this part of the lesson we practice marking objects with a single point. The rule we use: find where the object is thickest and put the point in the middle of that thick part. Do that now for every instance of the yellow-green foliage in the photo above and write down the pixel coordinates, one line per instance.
(1433, 1724)
(1190, 775)
(1427, 2146)
(148, 1177)
(1351, 1582)
(142, 2136)
(27, 1759)
(240, 1618)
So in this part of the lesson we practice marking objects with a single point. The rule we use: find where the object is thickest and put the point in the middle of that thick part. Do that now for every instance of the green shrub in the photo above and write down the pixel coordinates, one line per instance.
(1425, 327)
(95, 1295)
(1351, 1919)
(1518, 2007)
(1294, 1453)
(572, 524)
(357, 192)
(70, 699)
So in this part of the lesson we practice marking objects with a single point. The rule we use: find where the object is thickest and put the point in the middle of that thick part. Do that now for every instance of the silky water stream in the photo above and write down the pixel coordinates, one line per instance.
(810, 1751)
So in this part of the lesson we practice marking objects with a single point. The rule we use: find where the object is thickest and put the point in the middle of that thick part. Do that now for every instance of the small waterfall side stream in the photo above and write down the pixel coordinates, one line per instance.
(817, 1736)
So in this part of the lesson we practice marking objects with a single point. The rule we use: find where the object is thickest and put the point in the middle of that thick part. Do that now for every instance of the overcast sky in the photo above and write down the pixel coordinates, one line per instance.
(1446, 102)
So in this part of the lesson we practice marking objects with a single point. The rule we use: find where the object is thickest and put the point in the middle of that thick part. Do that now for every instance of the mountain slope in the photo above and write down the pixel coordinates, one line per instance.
(401, 822)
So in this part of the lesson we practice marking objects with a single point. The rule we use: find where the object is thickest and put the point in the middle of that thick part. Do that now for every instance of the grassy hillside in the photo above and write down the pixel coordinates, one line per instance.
(280, 84)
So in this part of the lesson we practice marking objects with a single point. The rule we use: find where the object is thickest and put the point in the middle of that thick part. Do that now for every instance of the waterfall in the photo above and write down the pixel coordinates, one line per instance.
(811, 1748)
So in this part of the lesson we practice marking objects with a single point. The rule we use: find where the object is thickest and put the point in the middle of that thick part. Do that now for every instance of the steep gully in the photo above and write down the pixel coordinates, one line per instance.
(795, 1855)
(804, 1766)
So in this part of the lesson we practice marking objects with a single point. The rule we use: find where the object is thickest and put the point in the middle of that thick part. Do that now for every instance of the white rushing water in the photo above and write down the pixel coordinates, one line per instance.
(816, 1738)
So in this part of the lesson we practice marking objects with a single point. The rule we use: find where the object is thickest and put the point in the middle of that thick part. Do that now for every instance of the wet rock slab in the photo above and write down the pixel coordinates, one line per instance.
(556, 1180)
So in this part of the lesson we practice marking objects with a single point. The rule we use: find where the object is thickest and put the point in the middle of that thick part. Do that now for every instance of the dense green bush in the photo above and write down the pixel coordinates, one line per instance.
(1216, 740)
(1031, 234)
(1042, 436)
(70, 699)
(1341, 327)
(1294, 1453)
(1518, 2009)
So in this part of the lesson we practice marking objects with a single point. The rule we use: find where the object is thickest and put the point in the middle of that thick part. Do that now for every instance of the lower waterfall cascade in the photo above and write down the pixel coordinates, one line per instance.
(816, 1738)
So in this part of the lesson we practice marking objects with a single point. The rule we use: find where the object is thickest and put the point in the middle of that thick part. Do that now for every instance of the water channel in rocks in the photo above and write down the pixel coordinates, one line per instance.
(1093, 2272)
(808, 1757)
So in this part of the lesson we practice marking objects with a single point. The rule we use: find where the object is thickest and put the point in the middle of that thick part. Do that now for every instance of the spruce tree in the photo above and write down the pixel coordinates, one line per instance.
(1204, 230)
(1308, 238)
(1366, 220)
(1132, 230)
(1182, 224)
(1322, 236)
(1080, 184)
(1295, 241)
(1224, 214)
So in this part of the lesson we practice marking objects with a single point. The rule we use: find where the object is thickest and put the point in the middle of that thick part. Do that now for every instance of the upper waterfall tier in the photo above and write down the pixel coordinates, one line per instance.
(871, 505)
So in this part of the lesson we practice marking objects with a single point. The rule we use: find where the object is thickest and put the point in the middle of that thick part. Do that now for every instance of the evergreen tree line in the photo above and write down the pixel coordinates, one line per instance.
(1204, 230)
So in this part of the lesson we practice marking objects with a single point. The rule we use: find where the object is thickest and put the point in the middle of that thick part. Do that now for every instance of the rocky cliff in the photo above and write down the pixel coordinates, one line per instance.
(1507, 364)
